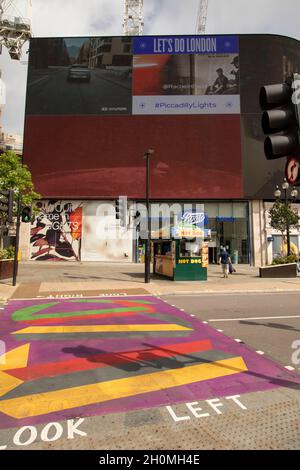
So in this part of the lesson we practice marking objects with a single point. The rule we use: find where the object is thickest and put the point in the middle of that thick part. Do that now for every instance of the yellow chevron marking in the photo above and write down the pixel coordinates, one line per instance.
(58, 400)
(14, 359)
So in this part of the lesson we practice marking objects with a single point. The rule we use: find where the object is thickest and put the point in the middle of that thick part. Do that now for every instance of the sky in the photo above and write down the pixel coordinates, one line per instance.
(104, 18)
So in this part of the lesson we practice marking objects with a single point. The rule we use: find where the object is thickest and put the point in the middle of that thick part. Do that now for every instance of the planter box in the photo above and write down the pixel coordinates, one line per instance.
(6, 268)
(279, 270)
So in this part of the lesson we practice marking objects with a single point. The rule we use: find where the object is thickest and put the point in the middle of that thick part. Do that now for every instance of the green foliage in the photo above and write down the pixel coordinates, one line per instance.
(282, 215)
(16, 176)
(285, 259)
(7, 253)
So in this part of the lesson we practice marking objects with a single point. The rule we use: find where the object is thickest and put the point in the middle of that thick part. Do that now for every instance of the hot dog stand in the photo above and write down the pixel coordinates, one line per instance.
(183, 257)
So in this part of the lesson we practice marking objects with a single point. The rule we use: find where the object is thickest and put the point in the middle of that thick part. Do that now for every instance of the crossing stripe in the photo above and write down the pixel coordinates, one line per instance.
(96, 361)
(49, 402)
(100, 328)
(48, 321)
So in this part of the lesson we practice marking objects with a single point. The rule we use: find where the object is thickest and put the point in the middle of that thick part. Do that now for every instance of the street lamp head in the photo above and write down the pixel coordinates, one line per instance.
(294, 193)
(285, 184)
(277, 192)
(148, 152)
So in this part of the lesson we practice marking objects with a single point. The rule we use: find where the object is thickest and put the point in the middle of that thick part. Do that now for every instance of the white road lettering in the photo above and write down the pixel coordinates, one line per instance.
(58, 432)
(197, 409)
(25, 429)
(73, 428)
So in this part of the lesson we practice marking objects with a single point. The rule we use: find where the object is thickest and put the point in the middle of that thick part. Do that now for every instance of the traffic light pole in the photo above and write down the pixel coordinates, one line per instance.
(147, 250)
(288, 241)
(15, 272)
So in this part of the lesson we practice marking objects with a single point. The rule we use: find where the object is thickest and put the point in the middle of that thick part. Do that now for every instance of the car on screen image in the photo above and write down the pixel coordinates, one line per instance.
(79, 72)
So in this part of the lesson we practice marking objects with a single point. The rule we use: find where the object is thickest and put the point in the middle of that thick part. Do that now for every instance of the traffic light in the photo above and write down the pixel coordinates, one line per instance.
(121, 210)
(26, 214)
(137, 220)
(280, 120)
(6, 204)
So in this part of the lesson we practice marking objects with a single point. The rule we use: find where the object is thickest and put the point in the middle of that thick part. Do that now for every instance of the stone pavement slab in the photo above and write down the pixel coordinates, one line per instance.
(41, 279)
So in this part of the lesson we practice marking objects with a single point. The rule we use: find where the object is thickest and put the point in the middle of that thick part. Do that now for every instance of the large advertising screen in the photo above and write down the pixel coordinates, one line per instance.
(188, 75)
(94, 105)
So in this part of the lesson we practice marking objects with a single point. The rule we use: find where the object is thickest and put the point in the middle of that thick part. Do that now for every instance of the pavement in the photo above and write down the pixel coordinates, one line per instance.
(43, 278)
(93, 358)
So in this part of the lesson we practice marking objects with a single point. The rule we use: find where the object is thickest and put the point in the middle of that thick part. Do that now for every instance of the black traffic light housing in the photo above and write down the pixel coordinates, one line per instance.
(121, 210)
(280, 120)
(6, 204)
(26, 214)
(137, 220)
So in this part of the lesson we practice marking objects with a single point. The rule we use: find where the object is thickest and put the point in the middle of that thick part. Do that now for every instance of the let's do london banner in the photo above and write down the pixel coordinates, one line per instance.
(186, 75)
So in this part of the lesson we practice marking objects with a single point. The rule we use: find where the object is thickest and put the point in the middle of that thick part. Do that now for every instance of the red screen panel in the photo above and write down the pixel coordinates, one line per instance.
(102, 156)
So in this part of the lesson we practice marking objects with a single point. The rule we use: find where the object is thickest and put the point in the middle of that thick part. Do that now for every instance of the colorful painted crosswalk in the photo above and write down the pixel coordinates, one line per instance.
(91, 356)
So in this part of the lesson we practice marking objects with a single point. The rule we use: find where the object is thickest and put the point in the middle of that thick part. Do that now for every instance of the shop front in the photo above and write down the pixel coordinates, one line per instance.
(229, 225)
(226, 225)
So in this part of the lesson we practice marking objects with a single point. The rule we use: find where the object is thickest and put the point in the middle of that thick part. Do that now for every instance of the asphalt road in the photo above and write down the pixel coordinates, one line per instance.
(52, 93)
(259, 320)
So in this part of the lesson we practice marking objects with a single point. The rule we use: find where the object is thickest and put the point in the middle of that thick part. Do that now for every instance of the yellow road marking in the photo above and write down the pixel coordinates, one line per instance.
(58, 400)
(99, 328)
(8, 383)
(14, 359)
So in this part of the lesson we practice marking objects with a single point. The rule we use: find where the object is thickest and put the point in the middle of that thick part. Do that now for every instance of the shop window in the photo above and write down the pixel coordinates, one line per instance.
(225, 209)
(211, 209)
(239, 210)
(278, 246)
(190, 247)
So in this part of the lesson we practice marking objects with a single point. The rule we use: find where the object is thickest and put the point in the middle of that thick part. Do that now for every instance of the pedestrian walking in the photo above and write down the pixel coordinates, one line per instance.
(224, 260)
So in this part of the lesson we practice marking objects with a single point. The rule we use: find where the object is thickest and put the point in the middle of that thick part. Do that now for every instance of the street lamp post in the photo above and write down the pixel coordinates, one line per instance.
(148, 246)
(294, 193)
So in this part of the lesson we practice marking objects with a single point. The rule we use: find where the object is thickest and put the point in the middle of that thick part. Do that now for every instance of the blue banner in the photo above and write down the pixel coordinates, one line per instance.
(186, 44)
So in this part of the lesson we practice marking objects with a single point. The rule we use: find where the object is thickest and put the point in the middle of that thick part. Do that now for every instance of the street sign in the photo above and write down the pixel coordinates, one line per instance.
(292, 171)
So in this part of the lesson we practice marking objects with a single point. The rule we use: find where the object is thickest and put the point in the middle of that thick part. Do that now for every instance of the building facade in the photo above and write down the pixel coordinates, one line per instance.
(193, 99)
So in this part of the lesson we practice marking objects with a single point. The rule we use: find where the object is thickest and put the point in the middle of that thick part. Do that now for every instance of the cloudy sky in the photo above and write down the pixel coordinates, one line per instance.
(104, 17)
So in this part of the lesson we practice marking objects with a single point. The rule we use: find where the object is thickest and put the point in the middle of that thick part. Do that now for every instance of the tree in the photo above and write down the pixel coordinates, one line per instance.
(283, 216)
(16, 176)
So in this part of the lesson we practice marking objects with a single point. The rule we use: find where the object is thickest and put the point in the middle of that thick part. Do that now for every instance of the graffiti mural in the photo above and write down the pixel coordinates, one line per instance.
(56, 231)
(92, 356)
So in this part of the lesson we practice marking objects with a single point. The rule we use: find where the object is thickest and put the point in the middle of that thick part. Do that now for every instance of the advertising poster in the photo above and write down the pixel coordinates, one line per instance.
(79, 76)
(186, 75)
(193, 99)
(56, 231)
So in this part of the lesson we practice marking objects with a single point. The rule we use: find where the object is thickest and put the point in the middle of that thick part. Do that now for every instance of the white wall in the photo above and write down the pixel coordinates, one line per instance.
(258, 233)
(102, 237)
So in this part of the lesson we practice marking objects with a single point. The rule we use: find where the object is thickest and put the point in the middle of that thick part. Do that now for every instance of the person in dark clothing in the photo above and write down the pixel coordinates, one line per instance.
(224, 260)
(236, 72)
(221, 82)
